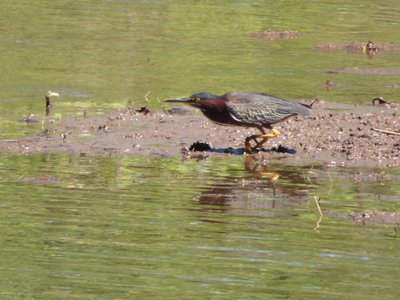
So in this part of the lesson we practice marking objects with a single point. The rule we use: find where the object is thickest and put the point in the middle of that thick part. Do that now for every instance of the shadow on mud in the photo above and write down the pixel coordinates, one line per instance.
(206, 147)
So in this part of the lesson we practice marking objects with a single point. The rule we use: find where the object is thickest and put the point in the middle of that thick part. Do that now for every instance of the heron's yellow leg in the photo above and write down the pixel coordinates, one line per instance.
(267, 136)
(264, 137)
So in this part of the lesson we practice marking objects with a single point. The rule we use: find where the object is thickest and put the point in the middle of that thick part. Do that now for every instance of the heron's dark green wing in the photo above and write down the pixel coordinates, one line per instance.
(262, 109)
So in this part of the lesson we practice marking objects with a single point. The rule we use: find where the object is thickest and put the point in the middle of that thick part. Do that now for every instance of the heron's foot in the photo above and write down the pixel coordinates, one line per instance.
(259, 140)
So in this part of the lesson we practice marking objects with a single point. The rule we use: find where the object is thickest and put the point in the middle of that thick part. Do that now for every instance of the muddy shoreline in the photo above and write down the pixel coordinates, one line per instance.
(334, 135)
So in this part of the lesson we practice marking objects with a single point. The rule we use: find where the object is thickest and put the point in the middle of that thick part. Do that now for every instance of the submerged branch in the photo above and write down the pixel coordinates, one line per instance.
(316, 199)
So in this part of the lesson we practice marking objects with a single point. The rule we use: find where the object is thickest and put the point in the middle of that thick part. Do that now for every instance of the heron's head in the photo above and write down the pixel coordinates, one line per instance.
(200, 100)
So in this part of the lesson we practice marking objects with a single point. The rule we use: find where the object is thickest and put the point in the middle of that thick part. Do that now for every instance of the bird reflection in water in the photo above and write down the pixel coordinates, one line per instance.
(267, 192)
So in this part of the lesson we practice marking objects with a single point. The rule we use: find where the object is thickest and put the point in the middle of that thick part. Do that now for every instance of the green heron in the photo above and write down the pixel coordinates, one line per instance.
(248, 110)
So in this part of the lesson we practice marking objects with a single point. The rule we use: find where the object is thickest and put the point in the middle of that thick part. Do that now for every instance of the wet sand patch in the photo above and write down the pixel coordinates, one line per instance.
(334, 135)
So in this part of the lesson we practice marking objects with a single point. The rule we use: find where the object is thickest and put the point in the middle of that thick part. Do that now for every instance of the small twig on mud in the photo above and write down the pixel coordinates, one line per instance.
(395, 232)
(385, 131)
(314, 101)
(316, 199)
(48, 103)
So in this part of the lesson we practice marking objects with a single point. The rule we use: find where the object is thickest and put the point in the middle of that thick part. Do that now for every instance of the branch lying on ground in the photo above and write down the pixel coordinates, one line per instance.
(386, 131)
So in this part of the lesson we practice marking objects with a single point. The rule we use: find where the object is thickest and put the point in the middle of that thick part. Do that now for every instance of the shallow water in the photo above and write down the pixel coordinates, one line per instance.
(125, 227)
(101, 55)
(143, 228)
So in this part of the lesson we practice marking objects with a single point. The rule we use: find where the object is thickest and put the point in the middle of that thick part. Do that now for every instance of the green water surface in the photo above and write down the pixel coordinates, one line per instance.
(144, 228)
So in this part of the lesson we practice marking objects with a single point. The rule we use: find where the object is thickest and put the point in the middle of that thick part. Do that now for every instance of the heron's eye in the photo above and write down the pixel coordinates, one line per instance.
(196, 99)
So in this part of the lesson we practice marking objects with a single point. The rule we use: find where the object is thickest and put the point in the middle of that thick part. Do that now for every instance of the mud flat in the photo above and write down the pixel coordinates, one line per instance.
(334, 135)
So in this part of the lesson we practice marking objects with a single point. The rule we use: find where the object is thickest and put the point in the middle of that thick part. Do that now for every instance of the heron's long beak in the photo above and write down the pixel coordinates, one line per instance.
(181, 100)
